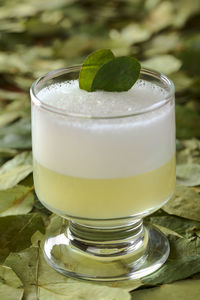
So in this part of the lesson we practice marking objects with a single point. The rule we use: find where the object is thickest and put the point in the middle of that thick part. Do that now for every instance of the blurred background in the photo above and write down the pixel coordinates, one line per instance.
(37, 36)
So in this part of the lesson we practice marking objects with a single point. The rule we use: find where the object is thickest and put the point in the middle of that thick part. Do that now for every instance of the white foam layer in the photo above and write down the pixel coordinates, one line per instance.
(107, 148)
(68, 96)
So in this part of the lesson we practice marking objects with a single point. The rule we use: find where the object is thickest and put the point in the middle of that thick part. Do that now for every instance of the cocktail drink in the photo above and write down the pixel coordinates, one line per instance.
(104, 160)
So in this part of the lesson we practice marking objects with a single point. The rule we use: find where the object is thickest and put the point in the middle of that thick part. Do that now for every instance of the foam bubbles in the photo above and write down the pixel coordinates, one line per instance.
(107, 147)
(70, 98)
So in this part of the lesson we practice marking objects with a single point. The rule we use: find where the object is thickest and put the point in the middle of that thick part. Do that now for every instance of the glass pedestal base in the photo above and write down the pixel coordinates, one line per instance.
(107, 254)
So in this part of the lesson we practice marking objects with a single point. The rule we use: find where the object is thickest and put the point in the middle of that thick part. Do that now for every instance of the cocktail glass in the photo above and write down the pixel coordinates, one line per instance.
(104, 173)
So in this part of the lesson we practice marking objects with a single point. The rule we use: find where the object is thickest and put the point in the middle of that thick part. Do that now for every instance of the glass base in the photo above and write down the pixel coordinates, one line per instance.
(107, 254)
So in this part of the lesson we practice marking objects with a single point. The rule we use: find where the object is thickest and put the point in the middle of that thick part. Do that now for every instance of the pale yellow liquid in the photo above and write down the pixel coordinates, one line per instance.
(104, 198)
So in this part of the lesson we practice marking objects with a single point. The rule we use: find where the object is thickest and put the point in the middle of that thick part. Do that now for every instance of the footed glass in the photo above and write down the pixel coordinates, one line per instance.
(104, 161)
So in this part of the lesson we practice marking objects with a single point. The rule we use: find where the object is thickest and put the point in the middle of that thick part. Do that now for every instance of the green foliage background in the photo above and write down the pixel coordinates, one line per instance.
(39, 36)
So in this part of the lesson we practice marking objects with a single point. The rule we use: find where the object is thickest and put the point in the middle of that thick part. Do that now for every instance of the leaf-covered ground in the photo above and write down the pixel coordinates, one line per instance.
(38, 36)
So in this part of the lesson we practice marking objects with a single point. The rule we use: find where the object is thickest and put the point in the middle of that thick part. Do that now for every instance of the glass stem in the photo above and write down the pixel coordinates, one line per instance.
(108, 241)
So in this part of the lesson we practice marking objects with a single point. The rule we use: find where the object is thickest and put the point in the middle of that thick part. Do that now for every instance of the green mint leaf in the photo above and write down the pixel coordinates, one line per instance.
(91, 65)
(117, 75)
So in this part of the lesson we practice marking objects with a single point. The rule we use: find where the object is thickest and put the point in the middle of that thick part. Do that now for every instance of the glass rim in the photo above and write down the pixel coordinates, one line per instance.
(55, 73)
